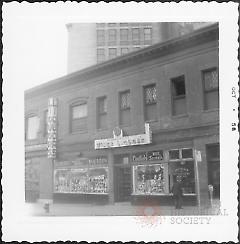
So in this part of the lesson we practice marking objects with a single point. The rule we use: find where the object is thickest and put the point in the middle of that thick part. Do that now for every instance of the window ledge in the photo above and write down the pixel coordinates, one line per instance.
(211, 110)
(151, 121)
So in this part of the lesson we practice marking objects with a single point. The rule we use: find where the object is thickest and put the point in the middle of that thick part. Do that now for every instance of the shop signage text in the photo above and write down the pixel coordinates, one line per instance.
(147, 156)
(52, 127)
(124, 141)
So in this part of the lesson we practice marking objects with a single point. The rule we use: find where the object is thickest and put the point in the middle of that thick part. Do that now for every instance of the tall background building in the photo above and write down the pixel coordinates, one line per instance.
(91, 43)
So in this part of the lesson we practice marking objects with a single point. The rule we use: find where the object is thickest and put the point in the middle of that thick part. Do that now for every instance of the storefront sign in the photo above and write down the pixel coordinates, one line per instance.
(147, 156)
(124, 141)
(52, 127)
(96, 161)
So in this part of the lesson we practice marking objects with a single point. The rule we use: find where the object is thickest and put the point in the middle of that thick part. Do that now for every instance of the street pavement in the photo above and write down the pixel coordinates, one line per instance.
(118, 209)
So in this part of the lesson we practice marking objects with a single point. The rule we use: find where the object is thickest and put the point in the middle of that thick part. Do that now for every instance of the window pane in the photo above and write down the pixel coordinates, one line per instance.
(124, 34)
(187, 153)
(32, 127)
(184, 173)
(150, 179)
(100, 36)
(179, 106)
(151, 112)
(174, 154)
(147, 34)
(212, 100)
(102, 121)
(125, 117)
(102, 105)
(79, 111)
(100, 55)
(178, 86)
(125, 100)
(112, 52)
(150, 94)
(112, 35)
(210, 79)
(135, 34)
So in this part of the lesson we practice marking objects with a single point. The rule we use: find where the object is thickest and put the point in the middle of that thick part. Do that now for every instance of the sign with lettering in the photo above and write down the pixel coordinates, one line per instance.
(96, 161)
(147, 156)
(52, 127)
(124, 141)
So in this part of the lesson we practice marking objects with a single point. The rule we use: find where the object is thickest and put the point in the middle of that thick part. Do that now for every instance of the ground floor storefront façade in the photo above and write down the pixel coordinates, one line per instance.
(138, 174)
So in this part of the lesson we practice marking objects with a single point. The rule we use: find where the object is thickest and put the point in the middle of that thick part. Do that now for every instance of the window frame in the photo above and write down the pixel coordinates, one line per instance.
(104, 56)
(110, 39)
(178, 97)
(76, 104)
(121, 35)
(147, 105)
(205, 107)
(99, 41)
(144, 34)
(112, 48)
(30, 115)
(100, 113)
(121, 110)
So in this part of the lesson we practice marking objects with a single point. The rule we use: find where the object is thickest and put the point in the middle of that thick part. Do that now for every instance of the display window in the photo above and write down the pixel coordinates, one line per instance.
(84, 180)
(184, 173)
(150, 179)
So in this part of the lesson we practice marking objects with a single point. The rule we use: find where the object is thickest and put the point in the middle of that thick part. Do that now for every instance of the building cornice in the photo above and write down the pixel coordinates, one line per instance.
(171, 46)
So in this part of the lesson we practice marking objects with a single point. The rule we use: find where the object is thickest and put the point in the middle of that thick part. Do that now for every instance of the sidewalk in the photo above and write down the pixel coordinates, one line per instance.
(118, 209)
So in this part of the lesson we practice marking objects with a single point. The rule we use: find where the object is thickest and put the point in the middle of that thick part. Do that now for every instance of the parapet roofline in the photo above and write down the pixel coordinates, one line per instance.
(124, 58)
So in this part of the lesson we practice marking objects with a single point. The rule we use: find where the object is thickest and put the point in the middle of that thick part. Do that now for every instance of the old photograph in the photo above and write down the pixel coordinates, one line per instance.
(115, 121)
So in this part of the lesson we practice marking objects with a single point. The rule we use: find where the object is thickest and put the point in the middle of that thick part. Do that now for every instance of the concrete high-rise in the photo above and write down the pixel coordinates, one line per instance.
(91, 43)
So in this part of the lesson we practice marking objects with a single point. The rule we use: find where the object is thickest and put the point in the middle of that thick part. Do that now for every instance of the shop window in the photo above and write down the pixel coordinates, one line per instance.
(150, 179)
(211, 89)
(102, 113)
(32, 125)
(100, 55)
(112, 53)
(147, 35)
(187, 153)
(124, 35)
(124, 51)
(150, 102)
(100, 37)
(83, 180)
(184, 173)
(112, 35)
(125, 107)
(178, 96)
(79, 117)
(174, 154)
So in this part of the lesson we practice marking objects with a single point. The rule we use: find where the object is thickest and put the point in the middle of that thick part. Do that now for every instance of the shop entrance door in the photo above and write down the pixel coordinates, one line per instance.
(123, 189)
(213, 159)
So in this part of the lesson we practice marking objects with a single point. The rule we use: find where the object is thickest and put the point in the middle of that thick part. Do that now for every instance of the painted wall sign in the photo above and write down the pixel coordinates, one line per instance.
(124, 141)
(52, 127)
(147, 156)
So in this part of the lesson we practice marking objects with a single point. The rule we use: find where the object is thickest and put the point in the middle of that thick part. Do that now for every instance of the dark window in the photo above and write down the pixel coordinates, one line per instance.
(112, 53)
(124, 50)
(100, 37)
(112, 35)
(211, 89)
(187, 153)
(174, 154)
(125, 115)
(100, 55)
(79, 117)
(32, 127)
(124, 34)
(150, 102)
(178, 96)
(101, 113)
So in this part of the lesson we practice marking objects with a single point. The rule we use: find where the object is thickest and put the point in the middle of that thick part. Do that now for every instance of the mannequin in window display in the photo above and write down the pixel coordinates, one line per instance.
(177, 192)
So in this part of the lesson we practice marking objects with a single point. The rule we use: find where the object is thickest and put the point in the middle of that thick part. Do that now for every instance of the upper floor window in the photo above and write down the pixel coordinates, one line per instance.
(112, 35)
(124, 34)
(211, 89)
(100, 55)
(147, 34)
(100, 36)
(45, 126)
(124, 50)
(124, 102)
(79, 114)
(100, 25)
(178, 96)
(112, 52)
(150, 102)
(135, 34)
(32, 125)
(102, 112)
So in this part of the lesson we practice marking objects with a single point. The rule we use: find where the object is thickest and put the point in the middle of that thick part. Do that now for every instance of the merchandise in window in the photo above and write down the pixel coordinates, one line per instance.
(85, 180)
(150, 179)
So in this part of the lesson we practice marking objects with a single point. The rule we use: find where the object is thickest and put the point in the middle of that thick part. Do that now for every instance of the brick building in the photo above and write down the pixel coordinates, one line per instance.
(126, 127)
(91, 43)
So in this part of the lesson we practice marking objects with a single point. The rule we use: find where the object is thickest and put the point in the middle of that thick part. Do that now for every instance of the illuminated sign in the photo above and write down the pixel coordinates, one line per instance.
(124, 141)
(52, 127)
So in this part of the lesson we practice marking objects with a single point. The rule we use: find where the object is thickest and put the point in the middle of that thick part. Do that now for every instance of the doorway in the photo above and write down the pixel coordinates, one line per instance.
(213, 162)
